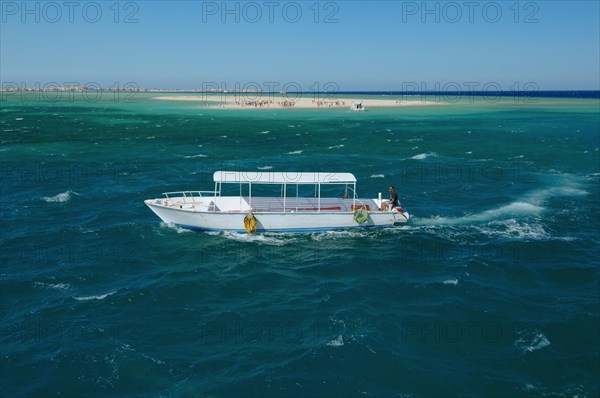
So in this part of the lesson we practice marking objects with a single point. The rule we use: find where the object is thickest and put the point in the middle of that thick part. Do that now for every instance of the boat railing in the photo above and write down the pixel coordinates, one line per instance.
(190, 195)
(306, 204)
(356, 198)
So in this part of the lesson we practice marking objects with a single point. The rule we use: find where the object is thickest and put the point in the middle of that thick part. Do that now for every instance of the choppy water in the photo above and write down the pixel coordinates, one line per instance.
(491, 290)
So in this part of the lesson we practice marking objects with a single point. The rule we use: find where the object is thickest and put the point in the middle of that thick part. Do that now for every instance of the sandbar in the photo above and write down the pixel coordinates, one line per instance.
(289, 101)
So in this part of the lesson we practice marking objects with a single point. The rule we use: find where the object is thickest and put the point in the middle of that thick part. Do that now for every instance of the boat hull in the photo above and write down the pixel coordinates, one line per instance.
(272, 221)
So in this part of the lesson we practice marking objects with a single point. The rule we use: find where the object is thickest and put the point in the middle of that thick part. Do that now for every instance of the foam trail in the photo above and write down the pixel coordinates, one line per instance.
(542, 195)
(531, 204)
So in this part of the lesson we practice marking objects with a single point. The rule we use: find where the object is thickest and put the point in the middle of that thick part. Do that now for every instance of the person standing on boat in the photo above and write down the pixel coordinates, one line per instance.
(393, 202)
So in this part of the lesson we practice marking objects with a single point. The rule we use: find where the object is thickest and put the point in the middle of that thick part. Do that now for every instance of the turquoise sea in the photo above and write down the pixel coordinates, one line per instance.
(491, 290)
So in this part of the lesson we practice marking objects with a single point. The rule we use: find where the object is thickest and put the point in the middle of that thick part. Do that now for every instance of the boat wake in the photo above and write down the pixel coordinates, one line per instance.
(531, 204)
(175, 228)
(271, 239)
(515, 209)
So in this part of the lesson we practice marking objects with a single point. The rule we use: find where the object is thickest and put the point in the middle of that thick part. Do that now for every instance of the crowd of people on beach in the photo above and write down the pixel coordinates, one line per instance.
(264, 103)
(329, 103)
(287, 103)
(254, 103)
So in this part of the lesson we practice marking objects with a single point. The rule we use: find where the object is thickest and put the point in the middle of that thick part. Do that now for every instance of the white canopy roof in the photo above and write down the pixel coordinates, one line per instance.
(286, 177)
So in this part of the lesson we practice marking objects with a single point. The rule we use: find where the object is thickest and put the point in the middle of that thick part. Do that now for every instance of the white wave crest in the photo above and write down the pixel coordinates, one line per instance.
(60, 198)
(377, 176)
(337, 342)
(531, 340)
(422, 156)
(196, 156)
(98, 297)
(265, 168)
(450, 282)
(295, 152)
(336, 146)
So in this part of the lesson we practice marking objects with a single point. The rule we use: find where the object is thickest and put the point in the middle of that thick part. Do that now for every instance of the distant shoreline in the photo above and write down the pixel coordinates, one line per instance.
(589, 94)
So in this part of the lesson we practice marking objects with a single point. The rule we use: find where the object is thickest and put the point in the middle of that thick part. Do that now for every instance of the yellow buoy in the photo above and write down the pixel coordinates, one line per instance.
(361, 215)
(250, 223)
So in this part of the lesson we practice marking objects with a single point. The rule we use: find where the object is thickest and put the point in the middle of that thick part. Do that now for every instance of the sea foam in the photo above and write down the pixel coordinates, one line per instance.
(531, 340)
(56, 286)
(450, 282)
(337, 342)
(269, 240)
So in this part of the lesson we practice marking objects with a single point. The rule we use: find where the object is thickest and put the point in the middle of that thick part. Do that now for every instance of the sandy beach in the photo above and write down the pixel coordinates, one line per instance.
(279, 101)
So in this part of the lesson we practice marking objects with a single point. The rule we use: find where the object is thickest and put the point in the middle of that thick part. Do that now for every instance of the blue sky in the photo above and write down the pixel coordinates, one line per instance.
(357, 45)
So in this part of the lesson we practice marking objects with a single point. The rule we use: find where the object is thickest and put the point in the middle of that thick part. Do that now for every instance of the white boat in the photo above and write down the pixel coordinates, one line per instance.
(291, 211)
(357, 106)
